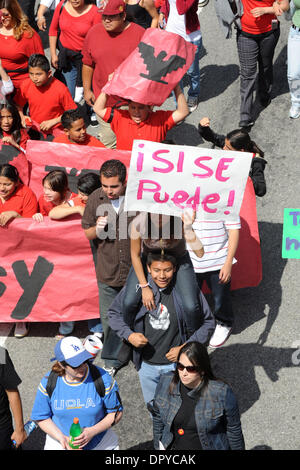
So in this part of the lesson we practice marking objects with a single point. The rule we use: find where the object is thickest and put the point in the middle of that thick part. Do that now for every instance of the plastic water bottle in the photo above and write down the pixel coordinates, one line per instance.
(29, 426)
(75, 431)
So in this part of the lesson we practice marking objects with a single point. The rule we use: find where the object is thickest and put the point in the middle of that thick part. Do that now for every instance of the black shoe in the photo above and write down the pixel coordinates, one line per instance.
(245, 124)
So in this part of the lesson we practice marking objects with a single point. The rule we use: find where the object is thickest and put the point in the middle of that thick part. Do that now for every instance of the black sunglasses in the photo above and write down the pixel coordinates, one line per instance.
(191, 369)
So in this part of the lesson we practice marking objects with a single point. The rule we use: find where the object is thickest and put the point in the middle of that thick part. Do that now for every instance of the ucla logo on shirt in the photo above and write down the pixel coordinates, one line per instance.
(72, 404)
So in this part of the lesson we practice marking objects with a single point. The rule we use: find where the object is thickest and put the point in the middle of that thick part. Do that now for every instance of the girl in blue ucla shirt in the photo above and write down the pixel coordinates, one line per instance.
(75, 395)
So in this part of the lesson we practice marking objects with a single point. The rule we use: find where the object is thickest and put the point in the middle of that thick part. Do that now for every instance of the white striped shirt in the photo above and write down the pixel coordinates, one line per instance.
(214, 237)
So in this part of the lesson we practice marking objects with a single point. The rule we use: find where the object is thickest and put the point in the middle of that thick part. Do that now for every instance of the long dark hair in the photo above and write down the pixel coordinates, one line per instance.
(10, 172)
(16, 127)
(240, 140)
(198, 355)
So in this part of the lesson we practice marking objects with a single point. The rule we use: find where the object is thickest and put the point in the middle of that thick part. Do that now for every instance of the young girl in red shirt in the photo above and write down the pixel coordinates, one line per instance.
(11, 130)
(56, 192)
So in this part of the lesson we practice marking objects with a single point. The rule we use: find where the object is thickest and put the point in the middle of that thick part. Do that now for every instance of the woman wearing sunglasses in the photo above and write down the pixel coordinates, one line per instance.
(192, 410)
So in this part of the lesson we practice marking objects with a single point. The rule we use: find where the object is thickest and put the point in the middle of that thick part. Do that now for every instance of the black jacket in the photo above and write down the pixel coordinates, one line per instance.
(257, 166)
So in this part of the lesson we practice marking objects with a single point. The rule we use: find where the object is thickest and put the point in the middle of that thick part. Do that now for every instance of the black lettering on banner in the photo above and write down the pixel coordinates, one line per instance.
(31, 284)
(2, 286)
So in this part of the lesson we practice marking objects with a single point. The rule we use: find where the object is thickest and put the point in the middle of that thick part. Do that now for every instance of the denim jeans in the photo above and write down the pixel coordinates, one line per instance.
(194, 71)
(94, 326)
(149, 376)
(71, 77)
(221, 296)
(293, 73)
(66, 327)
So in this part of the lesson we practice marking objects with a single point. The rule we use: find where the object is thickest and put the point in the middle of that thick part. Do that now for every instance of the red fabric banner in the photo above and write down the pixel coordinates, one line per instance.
(247, 272)
(47, 272)
(74, 159)
(153, 69)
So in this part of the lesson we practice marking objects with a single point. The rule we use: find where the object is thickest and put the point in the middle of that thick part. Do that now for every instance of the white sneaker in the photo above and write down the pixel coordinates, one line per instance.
(78, 94)
(294, 111)
(21, 330)
(220, 336)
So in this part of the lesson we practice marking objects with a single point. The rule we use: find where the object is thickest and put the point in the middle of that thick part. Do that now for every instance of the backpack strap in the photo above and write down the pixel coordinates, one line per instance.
(51, 383)
(97, 379)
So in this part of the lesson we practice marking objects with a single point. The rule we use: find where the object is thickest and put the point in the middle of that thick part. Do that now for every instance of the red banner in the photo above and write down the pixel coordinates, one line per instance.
(47, 272)
(74, 159)
(153, 69)
(247, 272)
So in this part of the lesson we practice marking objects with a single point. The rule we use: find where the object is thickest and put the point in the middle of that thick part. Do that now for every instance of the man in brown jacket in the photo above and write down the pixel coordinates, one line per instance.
(105, 222)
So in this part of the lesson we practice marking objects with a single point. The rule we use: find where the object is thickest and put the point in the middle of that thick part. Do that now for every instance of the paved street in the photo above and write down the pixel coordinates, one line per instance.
(257, 359)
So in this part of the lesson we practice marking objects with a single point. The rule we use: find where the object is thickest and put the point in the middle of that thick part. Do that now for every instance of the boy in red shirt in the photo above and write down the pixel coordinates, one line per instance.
(47, 97)
(140, 122)
(75, 130)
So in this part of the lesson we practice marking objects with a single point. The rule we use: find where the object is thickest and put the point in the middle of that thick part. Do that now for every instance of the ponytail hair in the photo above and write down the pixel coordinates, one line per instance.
(240, 140)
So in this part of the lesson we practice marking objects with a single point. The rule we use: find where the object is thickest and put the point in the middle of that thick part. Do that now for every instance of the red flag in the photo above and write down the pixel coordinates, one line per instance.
(153, 69)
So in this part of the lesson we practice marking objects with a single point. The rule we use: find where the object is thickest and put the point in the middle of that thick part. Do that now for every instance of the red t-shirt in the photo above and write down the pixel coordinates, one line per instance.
(73, 29)
(77, 201)
(44, 207)
(90, 140)
(259, 25)
(46, 102)
(23, 140)
(154, 128)
(15, 54)
(23, 201)
(104, 52)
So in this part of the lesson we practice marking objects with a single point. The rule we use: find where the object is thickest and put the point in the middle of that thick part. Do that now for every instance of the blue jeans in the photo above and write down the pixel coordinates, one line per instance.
(66, 327)
(221, 295)
(149, 376)
(194, 71)
(94, 326)
(293, 73)
(71, 78)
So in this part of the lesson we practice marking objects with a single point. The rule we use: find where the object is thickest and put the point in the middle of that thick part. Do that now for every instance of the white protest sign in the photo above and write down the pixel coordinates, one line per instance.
(165, 179)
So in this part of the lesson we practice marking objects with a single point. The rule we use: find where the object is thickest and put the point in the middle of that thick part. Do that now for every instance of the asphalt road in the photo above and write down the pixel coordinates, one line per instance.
(257, 360)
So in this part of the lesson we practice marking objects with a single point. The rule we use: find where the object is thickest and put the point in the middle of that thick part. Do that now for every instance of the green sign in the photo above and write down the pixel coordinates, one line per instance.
(291, 234)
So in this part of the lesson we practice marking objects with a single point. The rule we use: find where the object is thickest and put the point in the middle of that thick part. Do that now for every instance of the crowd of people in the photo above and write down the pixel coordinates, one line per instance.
(152, 308)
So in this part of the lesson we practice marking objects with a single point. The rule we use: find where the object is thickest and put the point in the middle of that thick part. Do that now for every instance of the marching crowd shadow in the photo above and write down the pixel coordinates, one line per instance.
(236, 364)
(268, 295)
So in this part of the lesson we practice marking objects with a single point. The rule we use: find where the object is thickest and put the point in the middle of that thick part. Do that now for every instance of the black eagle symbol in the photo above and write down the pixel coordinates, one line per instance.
(158, 67)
